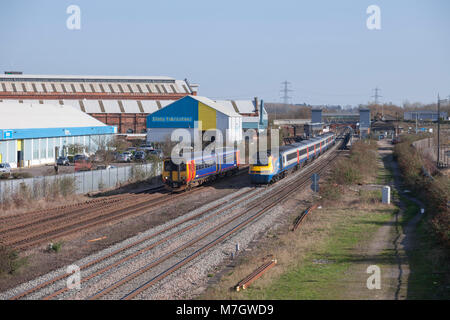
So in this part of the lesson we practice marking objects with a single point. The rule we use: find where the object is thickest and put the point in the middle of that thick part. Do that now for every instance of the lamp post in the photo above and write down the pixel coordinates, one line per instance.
(439, 128)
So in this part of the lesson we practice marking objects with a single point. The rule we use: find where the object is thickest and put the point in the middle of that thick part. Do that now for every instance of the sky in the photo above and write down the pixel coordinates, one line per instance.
(239, 49)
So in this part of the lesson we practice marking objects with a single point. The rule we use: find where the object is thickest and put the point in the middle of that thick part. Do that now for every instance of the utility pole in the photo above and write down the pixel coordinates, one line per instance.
(377, 96)
(438, 130)
(285, 92)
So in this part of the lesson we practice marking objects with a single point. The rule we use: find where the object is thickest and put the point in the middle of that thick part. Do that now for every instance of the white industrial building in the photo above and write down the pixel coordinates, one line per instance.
(33, 134)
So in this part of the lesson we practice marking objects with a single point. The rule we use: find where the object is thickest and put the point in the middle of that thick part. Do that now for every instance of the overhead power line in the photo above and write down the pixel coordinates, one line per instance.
(285, 92)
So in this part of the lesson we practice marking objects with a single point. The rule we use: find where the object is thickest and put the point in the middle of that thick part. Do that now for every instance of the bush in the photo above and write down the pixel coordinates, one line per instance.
(4, 176)
(55, 247)
(331, 192)
(433, 192)
(10, 262)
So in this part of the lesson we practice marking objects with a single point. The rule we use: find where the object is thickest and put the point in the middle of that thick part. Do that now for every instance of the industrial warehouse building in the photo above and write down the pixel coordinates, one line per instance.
(34, 134)
(121, 101)
(187, 112)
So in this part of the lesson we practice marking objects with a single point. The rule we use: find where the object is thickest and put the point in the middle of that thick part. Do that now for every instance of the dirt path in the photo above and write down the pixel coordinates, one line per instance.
(387, 249)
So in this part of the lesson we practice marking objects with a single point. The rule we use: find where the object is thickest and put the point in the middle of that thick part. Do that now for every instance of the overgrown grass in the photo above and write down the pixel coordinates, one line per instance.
(433, 192)
(321, 270)
(360, 167)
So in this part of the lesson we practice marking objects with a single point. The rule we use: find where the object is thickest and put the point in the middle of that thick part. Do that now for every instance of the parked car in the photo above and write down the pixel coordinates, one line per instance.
(5, 168)
(125, 157)
(63, 161)
(139, 156)
(157, 152)
(80, 157)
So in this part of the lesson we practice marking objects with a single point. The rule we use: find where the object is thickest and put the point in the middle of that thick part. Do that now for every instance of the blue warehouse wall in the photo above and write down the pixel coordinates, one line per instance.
(180, 114)
(10, 134)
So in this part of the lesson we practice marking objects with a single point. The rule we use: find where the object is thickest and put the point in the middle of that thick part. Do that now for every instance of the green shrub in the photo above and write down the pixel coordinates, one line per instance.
(55, 247)
(10, 261)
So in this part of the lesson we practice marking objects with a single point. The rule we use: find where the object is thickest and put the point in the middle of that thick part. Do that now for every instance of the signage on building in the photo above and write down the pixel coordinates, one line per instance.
(7, 134)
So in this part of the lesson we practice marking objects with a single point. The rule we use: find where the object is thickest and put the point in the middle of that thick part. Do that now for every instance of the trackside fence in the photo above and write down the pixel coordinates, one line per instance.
(76, 183)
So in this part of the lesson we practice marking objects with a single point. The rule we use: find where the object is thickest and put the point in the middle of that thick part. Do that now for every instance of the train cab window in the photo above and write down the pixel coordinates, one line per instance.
(170, 166)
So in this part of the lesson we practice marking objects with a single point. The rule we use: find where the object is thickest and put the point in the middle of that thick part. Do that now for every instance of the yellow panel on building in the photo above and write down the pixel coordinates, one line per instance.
(207, 116)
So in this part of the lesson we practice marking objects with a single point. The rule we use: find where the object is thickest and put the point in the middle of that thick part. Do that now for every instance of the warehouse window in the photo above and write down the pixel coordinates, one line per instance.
(35, 149)
(27, 154)
(12, 151)
(43, 148)
(51, 147)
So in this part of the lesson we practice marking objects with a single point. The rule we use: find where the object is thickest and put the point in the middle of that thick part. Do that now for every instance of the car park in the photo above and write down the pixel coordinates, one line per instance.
(63, 161)
(5, 168)
(157, 152)
(125, 157)
(139, 156)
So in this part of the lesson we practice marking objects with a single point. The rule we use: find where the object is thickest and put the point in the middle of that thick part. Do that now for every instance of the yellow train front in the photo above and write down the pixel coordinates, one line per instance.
(181, 173)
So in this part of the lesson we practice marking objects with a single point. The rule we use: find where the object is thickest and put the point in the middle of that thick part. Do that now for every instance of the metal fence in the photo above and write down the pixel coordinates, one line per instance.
(78, 183)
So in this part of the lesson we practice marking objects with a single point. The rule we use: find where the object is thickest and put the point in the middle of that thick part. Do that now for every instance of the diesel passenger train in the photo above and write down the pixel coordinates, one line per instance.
(291, 157)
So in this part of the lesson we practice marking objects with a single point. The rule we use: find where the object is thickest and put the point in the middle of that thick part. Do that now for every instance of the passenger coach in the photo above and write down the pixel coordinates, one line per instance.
(291, 157)
(185, 172)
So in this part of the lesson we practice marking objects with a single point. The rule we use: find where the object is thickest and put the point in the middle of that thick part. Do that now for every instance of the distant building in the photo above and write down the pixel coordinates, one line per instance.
(423, 115)
(122, 101)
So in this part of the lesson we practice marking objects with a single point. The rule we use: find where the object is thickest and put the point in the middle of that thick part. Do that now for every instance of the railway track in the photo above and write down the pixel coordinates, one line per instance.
(30, 229)
(168, 263)
(62, 224)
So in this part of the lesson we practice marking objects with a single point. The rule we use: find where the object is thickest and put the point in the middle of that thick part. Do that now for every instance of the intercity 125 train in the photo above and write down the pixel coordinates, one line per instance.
(290, 158)
(185, 172)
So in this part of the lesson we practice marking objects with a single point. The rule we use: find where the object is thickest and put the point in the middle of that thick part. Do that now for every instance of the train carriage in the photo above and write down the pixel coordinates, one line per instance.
(291, 157)
(184, 172)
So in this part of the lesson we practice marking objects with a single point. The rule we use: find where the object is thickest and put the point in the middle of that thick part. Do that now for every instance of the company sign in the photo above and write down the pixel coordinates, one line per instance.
(7, 134)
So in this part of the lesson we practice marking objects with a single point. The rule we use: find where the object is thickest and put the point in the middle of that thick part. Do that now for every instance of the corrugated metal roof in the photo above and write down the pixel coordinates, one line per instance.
(81, 77)
(243, 106)
(218, 106)
(30, 116)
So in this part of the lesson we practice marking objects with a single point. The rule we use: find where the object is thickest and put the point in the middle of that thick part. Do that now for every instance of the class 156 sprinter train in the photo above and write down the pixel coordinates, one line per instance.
(290, 158)
(196, 168)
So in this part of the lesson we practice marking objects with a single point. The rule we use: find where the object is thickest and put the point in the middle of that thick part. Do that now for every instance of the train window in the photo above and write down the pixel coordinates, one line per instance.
(303, 151)
(170, 166)
(291, 156)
